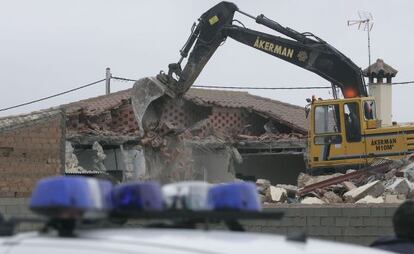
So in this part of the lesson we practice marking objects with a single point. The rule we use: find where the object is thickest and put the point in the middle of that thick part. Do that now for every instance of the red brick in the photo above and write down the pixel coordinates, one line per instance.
(33, 147)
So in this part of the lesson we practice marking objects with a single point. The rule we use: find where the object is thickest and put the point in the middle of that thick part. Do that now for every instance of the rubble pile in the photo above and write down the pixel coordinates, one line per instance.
(391, 182)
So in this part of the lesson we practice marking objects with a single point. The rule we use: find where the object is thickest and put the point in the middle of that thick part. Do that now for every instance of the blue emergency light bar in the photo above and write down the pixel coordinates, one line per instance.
(138, 196)
(240, 196)
(71, 197)
(67, 200)
(76, 197)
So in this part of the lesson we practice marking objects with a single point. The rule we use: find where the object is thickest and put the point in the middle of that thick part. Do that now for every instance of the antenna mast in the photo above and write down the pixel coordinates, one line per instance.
(364, 23)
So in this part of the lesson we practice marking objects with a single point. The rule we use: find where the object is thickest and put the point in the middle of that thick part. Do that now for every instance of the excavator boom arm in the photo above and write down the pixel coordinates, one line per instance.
(312, 54)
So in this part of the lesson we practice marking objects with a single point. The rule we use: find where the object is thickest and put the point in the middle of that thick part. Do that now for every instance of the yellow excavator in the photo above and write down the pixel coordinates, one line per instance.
(343, 133)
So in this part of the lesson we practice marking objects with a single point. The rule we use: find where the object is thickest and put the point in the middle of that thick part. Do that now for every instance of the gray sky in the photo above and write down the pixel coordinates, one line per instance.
(48, 46)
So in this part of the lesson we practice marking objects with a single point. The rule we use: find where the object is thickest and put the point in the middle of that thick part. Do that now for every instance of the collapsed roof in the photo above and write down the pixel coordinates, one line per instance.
(288, 114)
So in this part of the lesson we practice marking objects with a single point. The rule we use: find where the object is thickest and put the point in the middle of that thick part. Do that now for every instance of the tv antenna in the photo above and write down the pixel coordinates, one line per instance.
(365, 23)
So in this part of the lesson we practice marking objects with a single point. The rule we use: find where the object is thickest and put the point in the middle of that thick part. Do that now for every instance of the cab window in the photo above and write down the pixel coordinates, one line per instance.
(352, 122)
(327, 119)
(369, 110)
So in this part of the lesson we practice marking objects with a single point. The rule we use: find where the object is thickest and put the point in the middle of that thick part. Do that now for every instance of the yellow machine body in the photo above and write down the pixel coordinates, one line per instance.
(345, 133)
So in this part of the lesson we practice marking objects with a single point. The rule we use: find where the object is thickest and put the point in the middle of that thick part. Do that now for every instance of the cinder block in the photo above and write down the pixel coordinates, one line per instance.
(342, 221)
(350, 231)
(324, 231)
(377, 211)
(294, 211)
(328, 221)
(318, 212)
(277, 230)
(253, 222)
(385, 221)
(321, 212)
(295, 230)
(333, 211)
(287, 221)
(356, 221)
(370, 221)
(384, 231)
(389, 211)
(299, 221)
(274, 223)
(13, 210)
(253, 228)
(376, 231)
(356, 211)
(313, 221)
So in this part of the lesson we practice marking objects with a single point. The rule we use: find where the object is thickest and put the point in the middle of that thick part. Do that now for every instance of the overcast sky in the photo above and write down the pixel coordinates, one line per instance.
(48, 46)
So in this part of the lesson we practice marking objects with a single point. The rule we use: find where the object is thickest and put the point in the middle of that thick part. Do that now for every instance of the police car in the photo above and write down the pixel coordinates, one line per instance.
(85, 215)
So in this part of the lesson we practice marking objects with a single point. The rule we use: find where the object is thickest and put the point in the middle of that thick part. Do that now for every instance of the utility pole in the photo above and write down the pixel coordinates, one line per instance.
(108, 77)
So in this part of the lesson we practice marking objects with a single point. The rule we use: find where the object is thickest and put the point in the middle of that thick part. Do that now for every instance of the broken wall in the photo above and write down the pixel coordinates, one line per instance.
(119, 120)
(168, 156)
(30, 152)
(121, 162)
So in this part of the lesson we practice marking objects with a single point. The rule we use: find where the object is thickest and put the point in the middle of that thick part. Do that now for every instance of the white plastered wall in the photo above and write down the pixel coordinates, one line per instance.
(382, 92)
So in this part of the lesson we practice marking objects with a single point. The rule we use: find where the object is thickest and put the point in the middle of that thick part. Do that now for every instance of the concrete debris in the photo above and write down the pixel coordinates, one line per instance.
(98, 157)
(389, 175)
(350, 171)
(370, 200)
(305, 179)
(262, 185)
(266, 137)
(71, 161)
(278, 194)
(399, 186)
(331, 197)
(374, 189)
(263, 182)
(349, 185)
(312, 201)
(408, 172)
(392, 182)
(393, 198)
(290, 189)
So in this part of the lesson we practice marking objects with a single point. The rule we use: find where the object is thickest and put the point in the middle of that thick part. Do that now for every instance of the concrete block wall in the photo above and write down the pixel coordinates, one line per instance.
(18, 207)
(29, 153)
(357, 224)
(352, 223)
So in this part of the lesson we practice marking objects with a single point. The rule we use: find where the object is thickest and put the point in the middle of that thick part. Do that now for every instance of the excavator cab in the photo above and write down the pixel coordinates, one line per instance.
(337, 133)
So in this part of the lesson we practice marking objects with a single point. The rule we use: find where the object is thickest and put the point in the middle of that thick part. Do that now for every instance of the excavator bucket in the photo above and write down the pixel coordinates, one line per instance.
(147, 97)
(149, 93)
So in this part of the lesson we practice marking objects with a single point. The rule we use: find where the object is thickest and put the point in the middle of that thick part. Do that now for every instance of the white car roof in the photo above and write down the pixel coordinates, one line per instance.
(133, 240)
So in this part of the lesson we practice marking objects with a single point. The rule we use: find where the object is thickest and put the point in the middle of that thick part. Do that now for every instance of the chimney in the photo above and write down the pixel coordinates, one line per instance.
(378, 73)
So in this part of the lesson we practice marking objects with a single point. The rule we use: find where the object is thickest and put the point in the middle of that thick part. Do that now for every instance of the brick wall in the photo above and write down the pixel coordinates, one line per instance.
(357, 224)
(29, 152)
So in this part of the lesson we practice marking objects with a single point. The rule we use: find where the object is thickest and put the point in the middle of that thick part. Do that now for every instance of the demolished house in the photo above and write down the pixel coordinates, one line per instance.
(209, 135)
